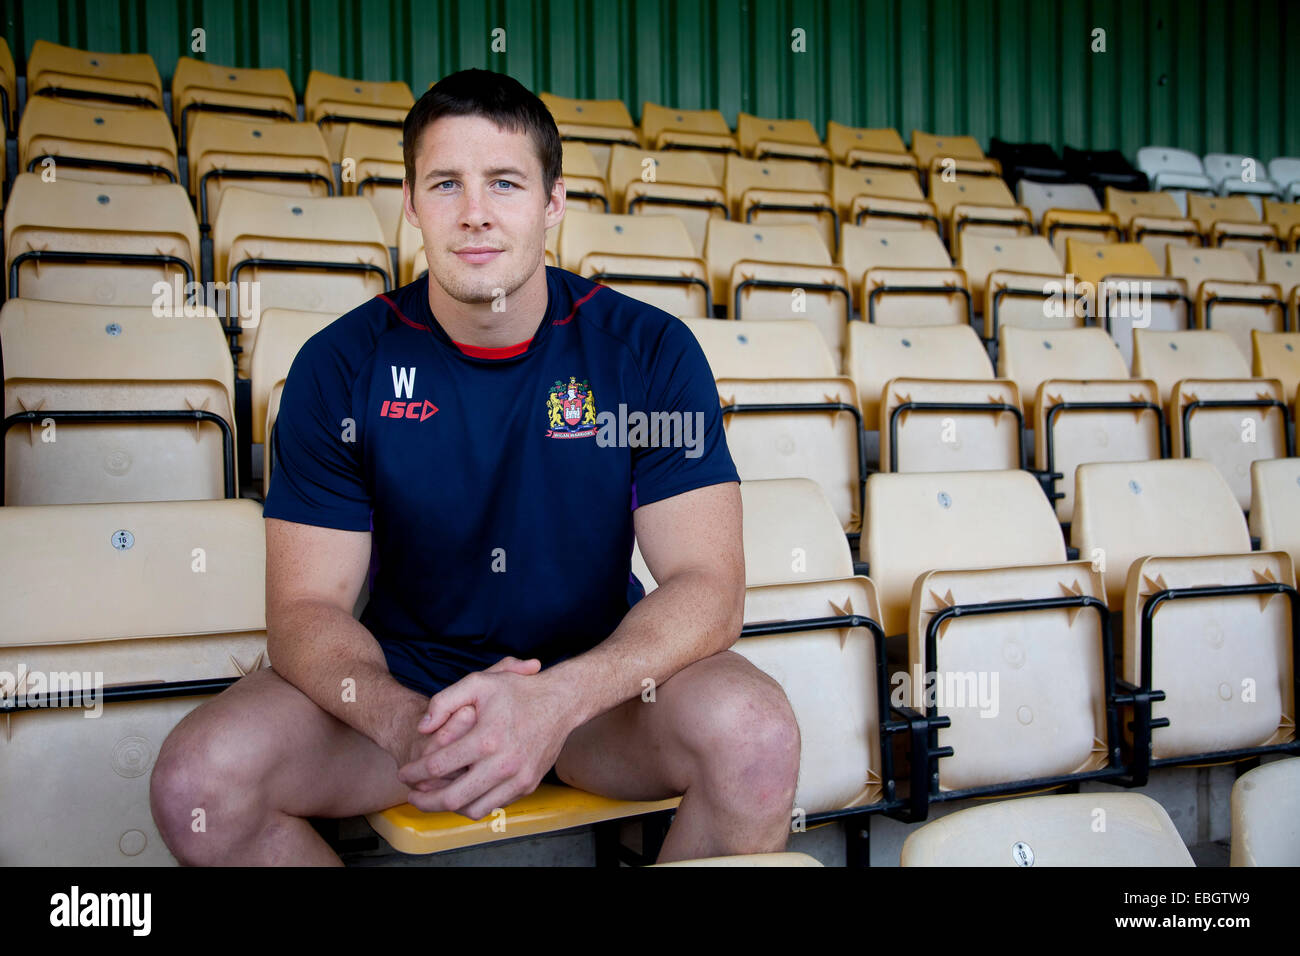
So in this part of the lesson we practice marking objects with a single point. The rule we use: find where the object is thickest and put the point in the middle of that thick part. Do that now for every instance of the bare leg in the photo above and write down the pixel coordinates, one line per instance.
(257, 760)
(720, 733)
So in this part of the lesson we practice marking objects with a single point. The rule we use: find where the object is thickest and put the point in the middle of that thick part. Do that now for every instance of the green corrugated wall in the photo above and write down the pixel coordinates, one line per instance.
(1206, 75)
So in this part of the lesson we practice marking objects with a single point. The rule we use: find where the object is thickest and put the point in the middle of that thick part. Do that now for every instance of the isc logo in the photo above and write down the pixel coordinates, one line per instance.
(418, 411)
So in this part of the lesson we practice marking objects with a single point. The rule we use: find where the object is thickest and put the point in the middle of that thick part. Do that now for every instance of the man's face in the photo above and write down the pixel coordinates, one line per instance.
(481, 204)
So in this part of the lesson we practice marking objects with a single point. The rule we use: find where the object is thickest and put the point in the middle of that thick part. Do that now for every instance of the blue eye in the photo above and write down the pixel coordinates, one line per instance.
(505, 182)
(446, 182)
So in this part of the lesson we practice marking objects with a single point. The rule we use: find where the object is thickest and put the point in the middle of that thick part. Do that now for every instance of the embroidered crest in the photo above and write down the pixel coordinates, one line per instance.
(570, 410)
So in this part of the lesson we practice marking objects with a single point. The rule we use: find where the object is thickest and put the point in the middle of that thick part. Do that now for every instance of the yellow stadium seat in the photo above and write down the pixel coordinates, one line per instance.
(947, 544)
(850, 145)
(127, 80)
(260, 94)
(1083, 405)
(793, 139)
(332, 102)
(584, 181)
(904, 277)
(83, 140)
(282, 334)
(1093, 261)
(764, 348)
(702, 131)
(752, 859)
(869, 193)
(977, 205)
(98, 243)
(107, 403)
(410, 251)
(1172, 538)
(377, 172)
(1152, 219)
(679, 182)
(1286, 217)
(982, 255)
(1228, 295)
(8, 90)
(1277, 355)
(283, 159)
(1275, 504)
(598, 123)
(928, 147)
(173, 638)
(1052, 830)
(781, 192)
(1232, 222)
(317, 255)
(777, 272)
(877, 354)
(651, 258)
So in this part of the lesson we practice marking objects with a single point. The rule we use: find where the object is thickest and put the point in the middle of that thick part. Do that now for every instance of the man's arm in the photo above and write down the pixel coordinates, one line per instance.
(313, 578)
(692, 545)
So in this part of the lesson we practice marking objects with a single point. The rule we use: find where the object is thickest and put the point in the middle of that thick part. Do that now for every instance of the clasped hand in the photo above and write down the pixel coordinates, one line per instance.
(486, 740)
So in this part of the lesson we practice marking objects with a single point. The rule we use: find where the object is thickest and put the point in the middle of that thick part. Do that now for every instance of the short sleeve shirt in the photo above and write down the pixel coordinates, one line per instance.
(499, 491)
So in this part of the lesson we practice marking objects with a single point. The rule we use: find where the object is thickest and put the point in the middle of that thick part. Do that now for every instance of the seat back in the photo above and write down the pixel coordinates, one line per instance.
(283, 332)
(1125, 511)
(927, 147)
(196, 83)
(916, 523)
(1169, 357)
(84, 139)
(1040, 197)
(1275, 505)
(132, 75)
(1277, 355)
(1265, 806)
(1030, 357)
(877, 354)
(165, 592)
(981, 255)
(842, 140)
(764, 348)
(1092, 261)
(60, 358)
(1125, 205)
(728, 243)
(374, 154)
(656, 119)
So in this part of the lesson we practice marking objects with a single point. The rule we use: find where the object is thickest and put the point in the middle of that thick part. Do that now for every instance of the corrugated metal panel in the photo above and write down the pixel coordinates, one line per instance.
(1202, 74)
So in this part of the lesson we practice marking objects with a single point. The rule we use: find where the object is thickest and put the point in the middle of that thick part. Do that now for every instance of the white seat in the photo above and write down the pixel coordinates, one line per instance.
(1228, 172)
(1169, 168)
(1285, 173)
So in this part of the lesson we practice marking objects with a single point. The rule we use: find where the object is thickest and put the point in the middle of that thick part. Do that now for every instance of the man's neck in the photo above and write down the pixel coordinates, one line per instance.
(478, 324)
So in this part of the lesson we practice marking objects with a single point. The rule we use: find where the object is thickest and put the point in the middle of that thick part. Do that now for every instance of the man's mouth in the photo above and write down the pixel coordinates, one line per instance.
(478, 254)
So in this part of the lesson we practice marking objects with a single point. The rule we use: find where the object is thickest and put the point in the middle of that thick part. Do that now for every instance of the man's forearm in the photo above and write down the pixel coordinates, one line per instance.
(320, 649)
(683, 621)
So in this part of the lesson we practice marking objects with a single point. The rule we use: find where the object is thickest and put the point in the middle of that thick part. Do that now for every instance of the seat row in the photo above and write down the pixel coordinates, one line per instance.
(1013, 668)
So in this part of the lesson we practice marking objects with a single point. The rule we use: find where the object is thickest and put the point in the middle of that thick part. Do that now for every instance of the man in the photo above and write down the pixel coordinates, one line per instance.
(504, 639)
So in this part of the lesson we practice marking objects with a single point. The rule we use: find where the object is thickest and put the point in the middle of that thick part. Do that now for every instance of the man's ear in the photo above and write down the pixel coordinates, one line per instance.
(555, 207)
(407, 209)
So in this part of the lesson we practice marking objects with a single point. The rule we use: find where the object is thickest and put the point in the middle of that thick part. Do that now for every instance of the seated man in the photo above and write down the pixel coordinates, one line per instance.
(472, 442)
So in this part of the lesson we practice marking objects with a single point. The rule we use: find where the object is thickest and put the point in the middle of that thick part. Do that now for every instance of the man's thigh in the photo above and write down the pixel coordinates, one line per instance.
(640, 750)
(265, 734)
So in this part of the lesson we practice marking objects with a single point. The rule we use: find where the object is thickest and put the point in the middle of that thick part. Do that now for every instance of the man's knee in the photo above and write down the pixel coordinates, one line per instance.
(745, 732)
(204, 791)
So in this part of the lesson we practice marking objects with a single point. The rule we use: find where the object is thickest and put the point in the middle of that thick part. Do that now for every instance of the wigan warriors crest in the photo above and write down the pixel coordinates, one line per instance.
(570, 410)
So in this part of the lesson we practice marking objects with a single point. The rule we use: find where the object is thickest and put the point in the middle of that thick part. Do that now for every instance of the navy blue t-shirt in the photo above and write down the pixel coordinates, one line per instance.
(499, 491)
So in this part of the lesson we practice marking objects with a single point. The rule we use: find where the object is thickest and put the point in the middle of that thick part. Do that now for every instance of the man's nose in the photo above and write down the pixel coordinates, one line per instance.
(474, 214)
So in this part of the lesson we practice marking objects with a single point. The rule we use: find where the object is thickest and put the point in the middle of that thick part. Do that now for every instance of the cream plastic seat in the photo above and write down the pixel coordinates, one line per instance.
(880, 197)
(1039, 198)
(702, 131)
(777, 272)
(1275, 505)
(1277, 356)
(1129, 290)
(978, 205)
(861, 147)
(598, 123)
(1032, 300)
(1283, 270)
(167, 592)
(795, 139)
(8, 90)
(377, 172)
(115, 80)
(651, 258)
(878, 354)
(1286, 217)
(1216, 411)
(1232, 222)
(585, 186)
(818, 436)
(781, 192)
(1053, 830)
(679, 182)
(115, 361)
(200, 87)
(69, 241)
(764, 348)
(317, 255)
(983, 255)
(1223, 662)
(1265, 807)
(1228, 293)
(410, 251)
(280, 158)
(1169, 168)
(1083, 406)
(903, 277)
(1152, 219)
(332, 102)
(1024, 688)
(791, 534)
(927, 147)
(283, 332)
(86, 141)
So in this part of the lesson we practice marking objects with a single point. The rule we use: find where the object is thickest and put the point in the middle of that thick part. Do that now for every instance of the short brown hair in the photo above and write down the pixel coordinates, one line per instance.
(500, 98)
